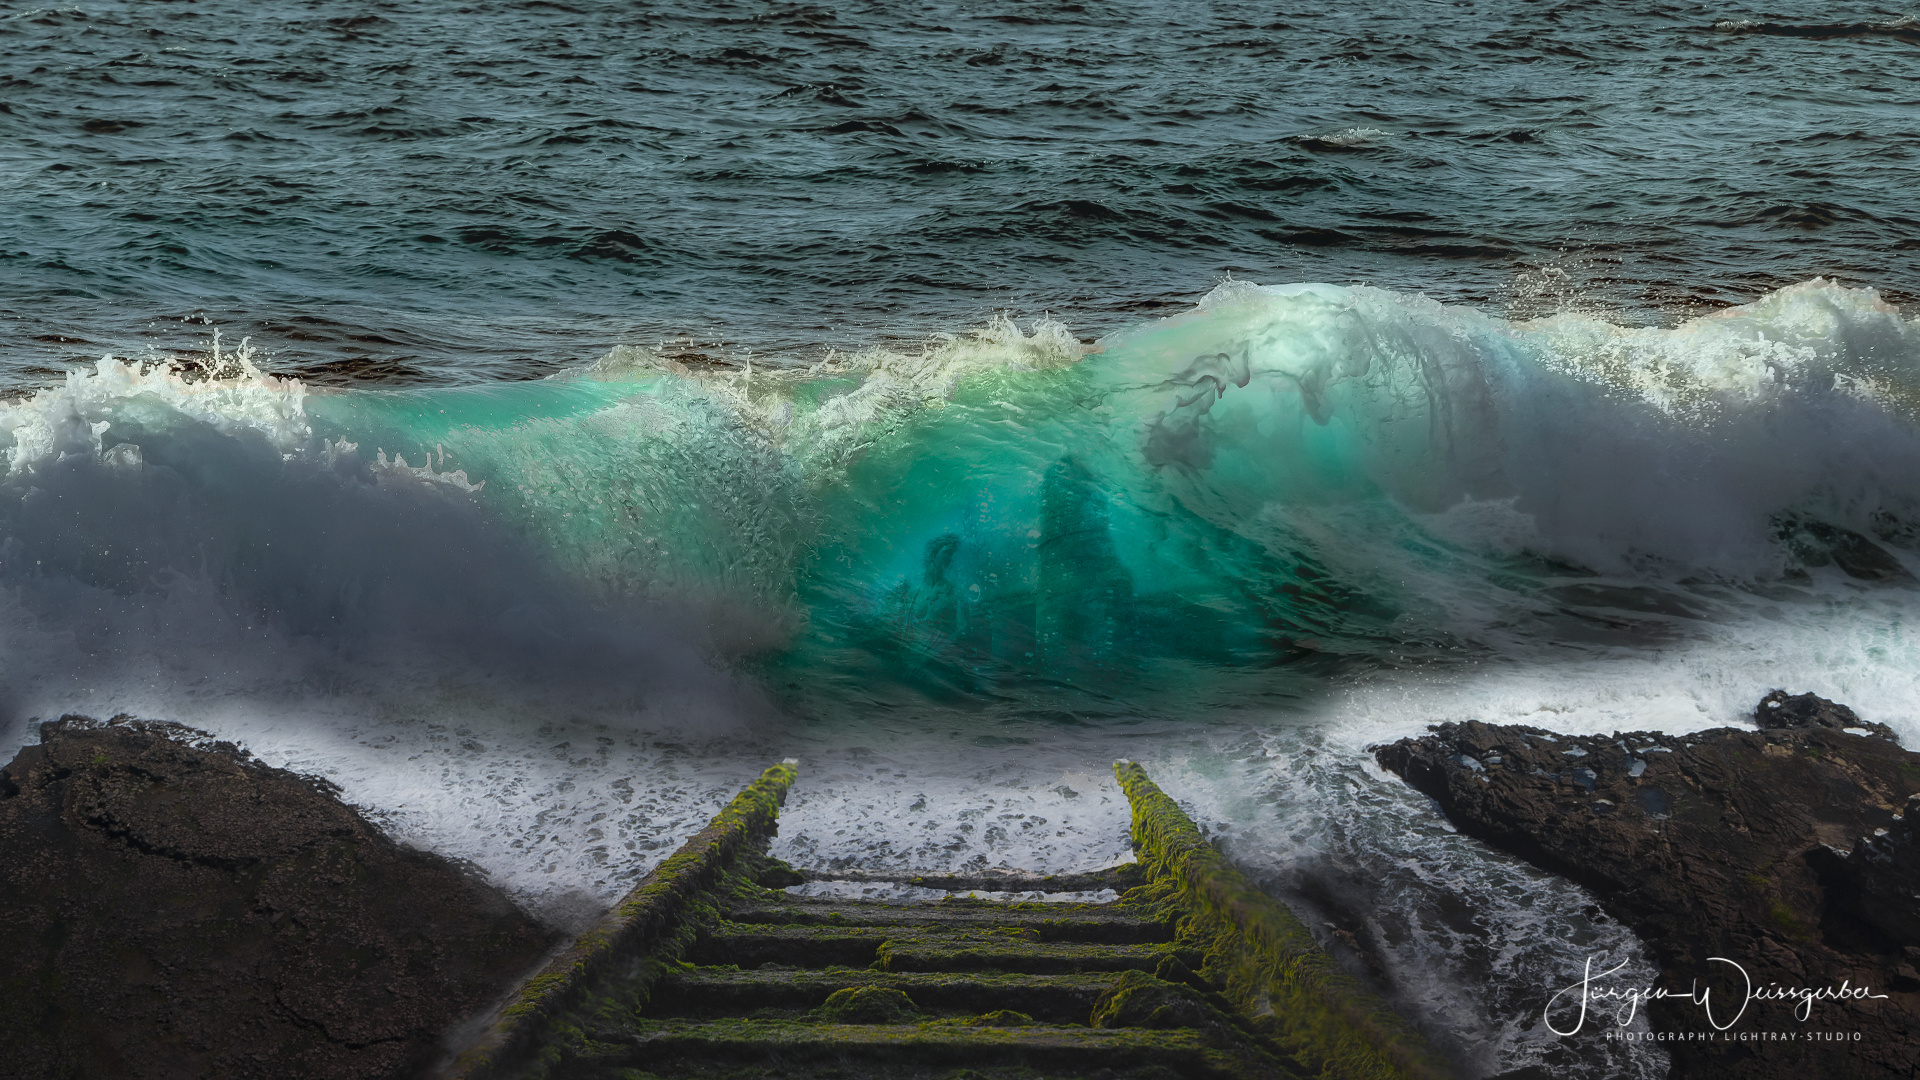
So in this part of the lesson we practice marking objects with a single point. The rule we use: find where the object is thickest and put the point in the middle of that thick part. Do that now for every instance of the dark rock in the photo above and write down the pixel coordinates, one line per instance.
(1789, 850)
(170, 909)
(1884, 872)
(1816, 543)
(1782, 710)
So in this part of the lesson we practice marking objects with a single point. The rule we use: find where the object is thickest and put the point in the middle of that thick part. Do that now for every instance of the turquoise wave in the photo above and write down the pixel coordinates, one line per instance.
(1233, 504)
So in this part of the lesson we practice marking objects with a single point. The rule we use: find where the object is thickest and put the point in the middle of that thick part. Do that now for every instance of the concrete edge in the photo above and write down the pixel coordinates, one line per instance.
(627, 932)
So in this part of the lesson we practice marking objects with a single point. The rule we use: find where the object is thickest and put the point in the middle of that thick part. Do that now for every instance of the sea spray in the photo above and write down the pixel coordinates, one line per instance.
(1235, 545)
(1212, 507)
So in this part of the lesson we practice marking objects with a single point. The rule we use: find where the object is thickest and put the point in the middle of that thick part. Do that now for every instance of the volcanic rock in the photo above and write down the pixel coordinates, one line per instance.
(172, 908)
(1789, 850)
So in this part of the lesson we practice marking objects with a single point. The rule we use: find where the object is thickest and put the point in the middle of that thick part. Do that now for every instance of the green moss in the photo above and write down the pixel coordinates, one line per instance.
(1000, 1018)
(1261, 956)
(868, 1005)
(1090, 923)
(1059, 999)
(1239, 968)
(536, 989)
(772, 873)
(893, 1050)
(646, 935)
(1782, 916)
(995, 952)
(1137, 999)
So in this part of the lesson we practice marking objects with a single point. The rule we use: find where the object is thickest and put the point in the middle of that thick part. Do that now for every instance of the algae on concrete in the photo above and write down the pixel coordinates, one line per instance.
(1196, 974)
(1261, 956)
(648, 930)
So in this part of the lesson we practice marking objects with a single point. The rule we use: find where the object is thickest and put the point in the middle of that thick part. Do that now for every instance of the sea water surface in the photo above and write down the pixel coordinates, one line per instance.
(539, 417)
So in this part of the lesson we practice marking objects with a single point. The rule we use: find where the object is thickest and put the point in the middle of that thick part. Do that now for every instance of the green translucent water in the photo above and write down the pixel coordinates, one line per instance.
(972, 528)
(1217, 507)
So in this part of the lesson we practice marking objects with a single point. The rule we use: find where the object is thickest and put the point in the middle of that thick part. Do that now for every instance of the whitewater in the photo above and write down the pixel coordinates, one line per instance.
(549, 626)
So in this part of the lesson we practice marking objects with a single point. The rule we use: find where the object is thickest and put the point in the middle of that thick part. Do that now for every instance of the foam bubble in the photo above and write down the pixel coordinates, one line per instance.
(1349, 137)
(50, 422)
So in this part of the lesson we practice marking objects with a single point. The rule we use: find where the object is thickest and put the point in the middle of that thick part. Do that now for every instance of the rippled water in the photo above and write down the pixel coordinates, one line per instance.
(412, 191)
(629, 402)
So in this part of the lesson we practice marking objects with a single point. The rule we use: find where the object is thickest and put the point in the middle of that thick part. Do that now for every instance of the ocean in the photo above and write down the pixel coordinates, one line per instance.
(538, 417)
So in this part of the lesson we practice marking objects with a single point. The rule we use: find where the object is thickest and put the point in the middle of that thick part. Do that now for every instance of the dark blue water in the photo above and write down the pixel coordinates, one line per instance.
(418, 191)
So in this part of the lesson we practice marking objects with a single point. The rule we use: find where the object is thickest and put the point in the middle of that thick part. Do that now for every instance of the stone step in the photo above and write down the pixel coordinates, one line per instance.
(793, 1049)
(713, 992)
(1117, 878)
(957, 952)
(706, 969)
(1104, 924)
(911, 948)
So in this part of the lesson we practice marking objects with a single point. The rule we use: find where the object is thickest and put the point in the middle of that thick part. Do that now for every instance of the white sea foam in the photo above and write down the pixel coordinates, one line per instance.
(230, 395)
(1628, 449)
(1350, 137)
(479, 648)
(886, 386)
(423, 473)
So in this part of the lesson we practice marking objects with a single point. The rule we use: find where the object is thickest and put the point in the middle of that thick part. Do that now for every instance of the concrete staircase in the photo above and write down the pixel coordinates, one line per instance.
(711, 968)
(797, 987)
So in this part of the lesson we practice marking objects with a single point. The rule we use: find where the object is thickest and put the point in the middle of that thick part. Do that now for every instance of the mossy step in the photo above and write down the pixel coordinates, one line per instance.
(924, 948)
(707, 992)
(1105, 924)
(864, 991)
(750, 945)
(993, 953)
(1129, 875)
(802, 1049)
(844, 1069)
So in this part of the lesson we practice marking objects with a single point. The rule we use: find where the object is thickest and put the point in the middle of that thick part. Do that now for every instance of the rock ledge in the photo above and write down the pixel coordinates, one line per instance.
(1789, 849)
(170, 907)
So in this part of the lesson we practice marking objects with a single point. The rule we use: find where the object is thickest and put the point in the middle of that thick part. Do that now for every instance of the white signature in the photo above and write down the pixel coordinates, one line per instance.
(1630, 998)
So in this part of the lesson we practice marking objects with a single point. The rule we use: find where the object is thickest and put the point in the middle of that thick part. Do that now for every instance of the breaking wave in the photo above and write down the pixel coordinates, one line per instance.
(547, 626)
(1280, 479)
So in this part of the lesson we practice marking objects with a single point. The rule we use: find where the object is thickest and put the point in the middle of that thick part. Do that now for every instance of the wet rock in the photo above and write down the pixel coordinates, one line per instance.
(1884, 873)
(170, 907)
(1788, 850)
(1782, 711)
(1816, 543)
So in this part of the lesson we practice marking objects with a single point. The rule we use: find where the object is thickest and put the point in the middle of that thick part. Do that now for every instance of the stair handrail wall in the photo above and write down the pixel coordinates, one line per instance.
(1276, 973)
(633, 929)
